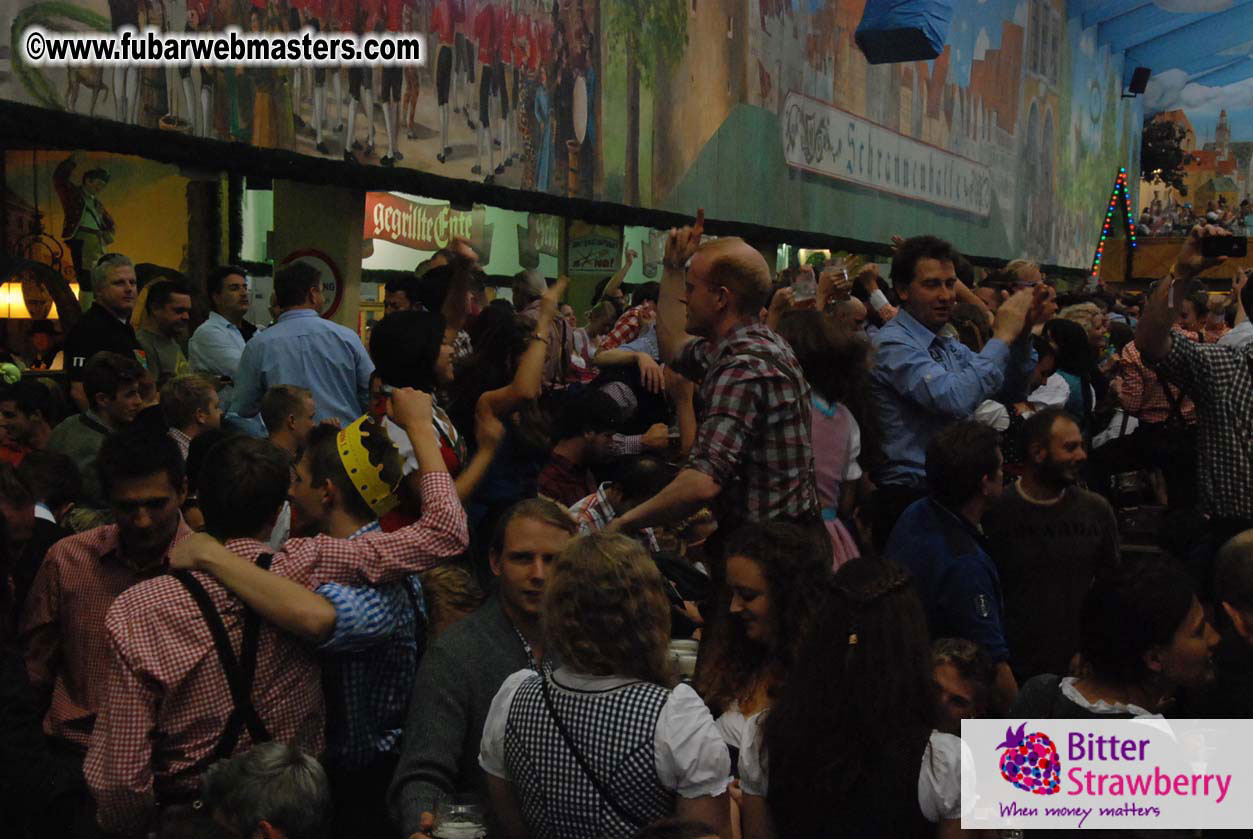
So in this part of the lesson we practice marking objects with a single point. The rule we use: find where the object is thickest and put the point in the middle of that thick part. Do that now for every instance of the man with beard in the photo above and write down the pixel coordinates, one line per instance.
(1049, 539)
(166, 329)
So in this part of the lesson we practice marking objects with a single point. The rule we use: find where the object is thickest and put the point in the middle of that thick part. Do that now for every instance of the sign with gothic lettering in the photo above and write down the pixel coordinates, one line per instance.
(824, 140)
(417, 225)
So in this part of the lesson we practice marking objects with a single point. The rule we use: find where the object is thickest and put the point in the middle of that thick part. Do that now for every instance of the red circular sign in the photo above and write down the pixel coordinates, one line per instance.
(332, 281)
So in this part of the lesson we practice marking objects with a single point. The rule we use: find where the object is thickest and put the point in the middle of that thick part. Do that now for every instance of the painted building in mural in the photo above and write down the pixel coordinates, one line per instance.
(761, 111)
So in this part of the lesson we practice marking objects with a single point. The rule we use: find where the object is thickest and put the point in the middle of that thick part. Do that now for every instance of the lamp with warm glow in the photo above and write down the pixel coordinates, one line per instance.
(13, 301)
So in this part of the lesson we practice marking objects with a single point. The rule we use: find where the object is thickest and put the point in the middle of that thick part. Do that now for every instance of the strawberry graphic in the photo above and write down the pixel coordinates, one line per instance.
(1030, 762)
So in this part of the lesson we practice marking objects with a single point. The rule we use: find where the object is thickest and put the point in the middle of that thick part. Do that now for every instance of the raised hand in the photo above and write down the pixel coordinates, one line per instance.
(1191, 261)
(683, 242)
(550, 300)
(410, 409)
(1011, 317)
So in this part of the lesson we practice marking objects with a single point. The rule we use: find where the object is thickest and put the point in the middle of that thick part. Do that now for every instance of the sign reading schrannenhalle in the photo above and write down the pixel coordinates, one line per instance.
(424, 227)
(822, 139)
(1087, 774)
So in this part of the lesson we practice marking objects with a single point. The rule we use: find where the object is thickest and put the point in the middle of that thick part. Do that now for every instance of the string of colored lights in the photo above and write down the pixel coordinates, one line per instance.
(1120, 187)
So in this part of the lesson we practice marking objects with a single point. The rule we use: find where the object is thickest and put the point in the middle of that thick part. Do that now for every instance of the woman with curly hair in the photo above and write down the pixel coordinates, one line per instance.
(849, 749)
(604, 745)
(775, 577)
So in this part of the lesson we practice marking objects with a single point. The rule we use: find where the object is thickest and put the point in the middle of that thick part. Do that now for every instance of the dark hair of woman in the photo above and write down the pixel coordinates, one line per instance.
(1075, 356)
(490, 366)
(405, 346)
(1128, 612)
(836, 363)
(845, 739)
(796, 568)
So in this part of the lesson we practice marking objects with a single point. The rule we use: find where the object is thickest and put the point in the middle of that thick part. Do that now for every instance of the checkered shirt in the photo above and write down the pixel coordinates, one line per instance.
(369, 662)
(184, 442)
(615, 731)
(1143, 395)
(1220, 382)
(167, 699)
(629, 326)
(754, 437)
(67, 651)
(595, 512)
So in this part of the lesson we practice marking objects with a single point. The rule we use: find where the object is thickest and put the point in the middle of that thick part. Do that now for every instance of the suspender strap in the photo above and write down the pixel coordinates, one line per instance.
(604, 791)
(240, 672)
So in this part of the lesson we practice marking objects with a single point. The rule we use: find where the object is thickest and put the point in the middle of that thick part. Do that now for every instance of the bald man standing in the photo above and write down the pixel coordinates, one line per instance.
(751, 460)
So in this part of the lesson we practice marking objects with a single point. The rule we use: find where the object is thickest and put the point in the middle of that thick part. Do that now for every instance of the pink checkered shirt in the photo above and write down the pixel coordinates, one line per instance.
(67, 651)
(168, 700)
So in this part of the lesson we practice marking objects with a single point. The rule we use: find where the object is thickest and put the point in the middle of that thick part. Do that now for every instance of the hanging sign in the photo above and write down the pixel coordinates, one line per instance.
(424, 227)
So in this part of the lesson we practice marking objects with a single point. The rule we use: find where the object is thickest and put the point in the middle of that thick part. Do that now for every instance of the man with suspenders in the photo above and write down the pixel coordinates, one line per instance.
(173, 649)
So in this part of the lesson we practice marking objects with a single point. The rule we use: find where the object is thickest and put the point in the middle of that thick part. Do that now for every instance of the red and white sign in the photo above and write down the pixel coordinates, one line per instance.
(423, 227)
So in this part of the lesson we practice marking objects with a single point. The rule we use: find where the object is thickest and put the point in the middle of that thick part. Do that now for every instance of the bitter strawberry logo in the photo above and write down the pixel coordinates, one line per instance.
(1030, 762)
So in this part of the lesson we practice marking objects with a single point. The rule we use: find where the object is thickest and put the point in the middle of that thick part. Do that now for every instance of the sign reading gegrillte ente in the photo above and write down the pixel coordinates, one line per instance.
(824, 140)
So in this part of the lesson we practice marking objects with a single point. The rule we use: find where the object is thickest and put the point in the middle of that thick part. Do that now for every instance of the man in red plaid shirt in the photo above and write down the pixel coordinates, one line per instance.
(752, 459)
(170, 706)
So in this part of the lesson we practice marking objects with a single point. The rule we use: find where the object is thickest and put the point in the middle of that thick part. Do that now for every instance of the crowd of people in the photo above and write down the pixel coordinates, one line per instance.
(1176, 217)
(718, 563)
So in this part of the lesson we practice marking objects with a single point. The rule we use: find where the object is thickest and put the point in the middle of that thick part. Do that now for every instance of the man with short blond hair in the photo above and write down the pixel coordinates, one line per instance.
(190, 405)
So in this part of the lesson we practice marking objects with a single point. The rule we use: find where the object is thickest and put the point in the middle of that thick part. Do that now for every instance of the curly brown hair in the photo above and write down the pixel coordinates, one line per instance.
(797, 568)
(605, 609)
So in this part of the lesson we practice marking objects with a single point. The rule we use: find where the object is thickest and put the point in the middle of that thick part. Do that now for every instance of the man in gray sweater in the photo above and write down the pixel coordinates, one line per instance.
(464, 668)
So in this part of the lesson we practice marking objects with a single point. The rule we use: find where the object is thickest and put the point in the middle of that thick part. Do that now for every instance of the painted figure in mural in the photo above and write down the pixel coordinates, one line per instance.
(125, 79)
(563, 112)
(301, 77)
(544, 132)
(463, 84)
(411, 22)
(391, 19)
(360, 82)
(443, 27)
(317, 12)
(485, 38)
(88, 229)
(264, 81)
(500, 88)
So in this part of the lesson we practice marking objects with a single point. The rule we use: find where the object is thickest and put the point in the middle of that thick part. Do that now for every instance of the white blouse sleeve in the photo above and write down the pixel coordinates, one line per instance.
(492, 747)
(754, 779)
(852, 471)
(940, 777)
(691, 756)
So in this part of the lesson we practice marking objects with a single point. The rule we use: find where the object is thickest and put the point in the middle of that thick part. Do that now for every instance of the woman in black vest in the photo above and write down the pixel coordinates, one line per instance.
(603, 746)
(855, 715)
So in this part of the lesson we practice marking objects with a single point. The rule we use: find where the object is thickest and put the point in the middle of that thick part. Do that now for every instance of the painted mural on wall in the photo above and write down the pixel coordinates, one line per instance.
(1008, 139)
(1217, 123)
(65, 209)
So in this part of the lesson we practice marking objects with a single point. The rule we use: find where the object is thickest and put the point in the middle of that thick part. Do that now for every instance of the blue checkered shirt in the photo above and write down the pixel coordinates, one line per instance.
(368, 666)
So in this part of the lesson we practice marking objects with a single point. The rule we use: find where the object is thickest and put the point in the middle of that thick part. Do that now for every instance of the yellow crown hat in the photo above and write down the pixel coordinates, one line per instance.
(372, 462)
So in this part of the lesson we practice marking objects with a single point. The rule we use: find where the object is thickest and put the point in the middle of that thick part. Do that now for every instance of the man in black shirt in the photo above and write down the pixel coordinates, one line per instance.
(106, 325)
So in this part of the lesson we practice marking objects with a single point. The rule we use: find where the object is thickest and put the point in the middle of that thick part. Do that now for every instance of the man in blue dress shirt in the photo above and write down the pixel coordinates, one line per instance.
(302, 348)
(923, 379)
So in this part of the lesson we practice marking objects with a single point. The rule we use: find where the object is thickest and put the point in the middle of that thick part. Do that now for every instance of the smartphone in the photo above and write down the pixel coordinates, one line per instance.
(804, 287)
(1215, 246)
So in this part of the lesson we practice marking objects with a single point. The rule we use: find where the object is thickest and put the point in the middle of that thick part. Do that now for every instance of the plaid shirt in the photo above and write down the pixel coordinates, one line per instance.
(564, 481)
(1220, 382)
(67, 652)
(595, 512)
(370, 661)
(184, 442)
(167, 699)
(1142, 393)
(754, 438)
(629, 326)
